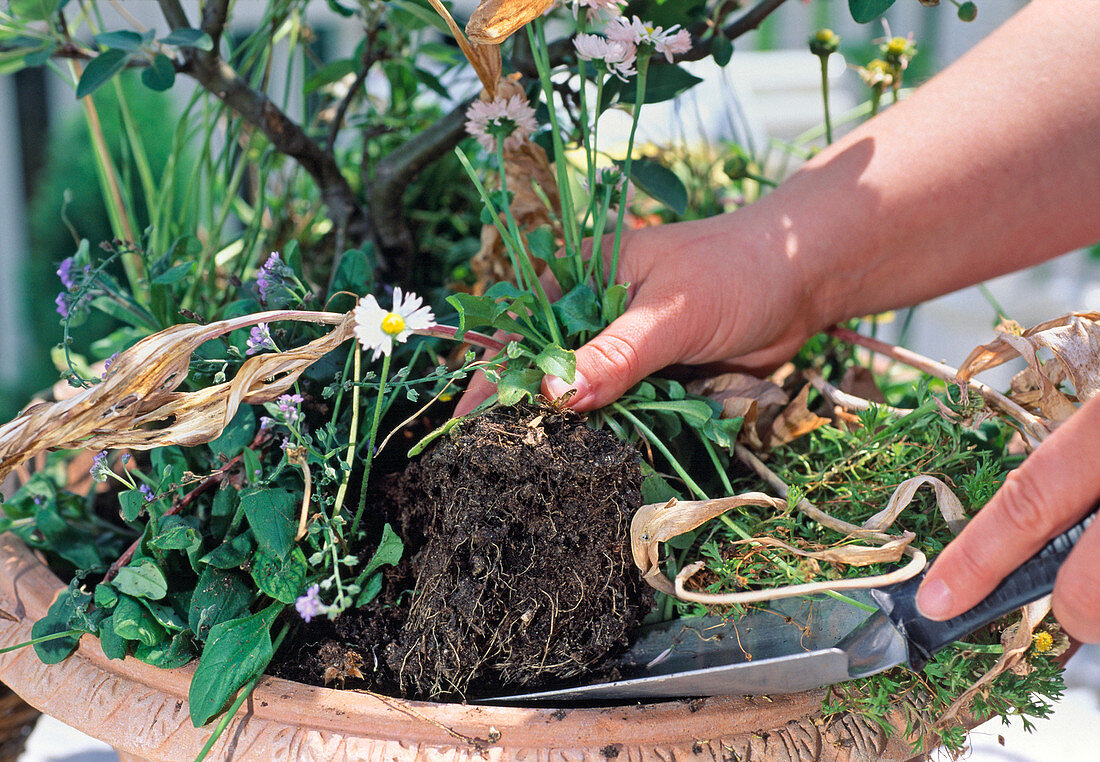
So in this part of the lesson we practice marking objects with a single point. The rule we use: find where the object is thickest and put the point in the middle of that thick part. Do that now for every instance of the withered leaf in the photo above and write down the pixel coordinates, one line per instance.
(136, 405)
(494, 21)
(950, 506)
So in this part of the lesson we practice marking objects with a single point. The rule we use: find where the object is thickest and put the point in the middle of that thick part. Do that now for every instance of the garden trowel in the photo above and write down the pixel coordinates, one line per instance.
(804, 643)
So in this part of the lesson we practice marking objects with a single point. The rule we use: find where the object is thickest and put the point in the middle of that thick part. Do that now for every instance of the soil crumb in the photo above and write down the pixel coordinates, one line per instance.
(524, 576)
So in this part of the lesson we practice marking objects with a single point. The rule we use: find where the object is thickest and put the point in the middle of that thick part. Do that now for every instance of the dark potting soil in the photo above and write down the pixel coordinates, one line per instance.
(517, 547)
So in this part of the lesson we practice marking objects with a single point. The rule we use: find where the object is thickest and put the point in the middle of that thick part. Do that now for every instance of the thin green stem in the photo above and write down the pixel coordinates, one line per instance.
(43, 639)
(349, 461)
(639, 101)
(370, 442)
(510, 245)
(825, 98)
(722, 475)
(656, 442)
(536, 34)
(525, 259)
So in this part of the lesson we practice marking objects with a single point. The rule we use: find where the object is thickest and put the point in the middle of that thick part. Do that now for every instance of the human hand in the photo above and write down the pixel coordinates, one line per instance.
(720, 290)
(1046, 495)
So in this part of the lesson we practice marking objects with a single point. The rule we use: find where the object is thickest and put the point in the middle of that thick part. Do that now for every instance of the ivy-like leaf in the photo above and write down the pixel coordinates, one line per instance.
(176, 533)
(78, 548)
(114, 645)
(232, 553)
(578, 310)
(237, 435)
(55, 621)
(133, 621)
(236, 651)
(144, 580)
(555, 361)
(168, 654)
(283, 580)
(271, 515)
(101, 69)
(219, 596)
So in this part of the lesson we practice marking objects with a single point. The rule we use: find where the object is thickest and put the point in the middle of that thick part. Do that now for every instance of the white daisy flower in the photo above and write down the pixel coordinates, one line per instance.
(377, 329)
(617, 56)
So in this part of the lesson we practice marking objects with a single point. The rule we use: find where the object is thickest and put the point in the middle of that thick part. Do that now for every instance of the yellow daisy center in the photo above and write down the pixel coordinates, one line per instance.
(393, 323)
(1043, 641)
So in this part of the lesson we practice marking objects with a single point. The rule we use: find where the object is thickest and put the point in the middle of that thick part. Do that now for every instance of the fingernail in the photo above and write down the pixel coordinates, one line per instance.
(558, 387)
(934, 599)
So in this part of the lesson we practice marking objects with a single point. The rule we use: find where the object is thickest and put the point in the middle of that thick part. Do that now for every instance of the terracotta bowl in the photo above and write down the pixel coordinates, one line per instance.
(142, 712)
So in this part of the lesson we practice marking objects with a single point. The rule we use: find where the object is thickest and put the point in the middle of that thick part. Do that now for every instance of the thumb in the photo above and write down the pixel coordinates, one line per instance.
(1053, 488)
(635, 345)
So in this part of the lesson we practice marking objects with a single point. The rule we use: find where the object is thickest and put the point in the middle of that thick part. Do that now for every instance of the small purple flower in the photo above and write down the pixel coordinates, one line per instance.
(100, 470)
(107, 366)
(125, 458)
(259, 339)
(310, 605)
(146, 490)
(65, 273)
(62, 302)
(272, 277)
(290, 408)
(39, 500)
(266, 422)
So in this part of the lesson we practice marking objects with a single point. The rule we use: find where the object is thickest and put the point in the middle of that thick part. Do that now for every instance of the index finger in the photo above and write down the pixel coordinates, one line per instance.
(1046, 495)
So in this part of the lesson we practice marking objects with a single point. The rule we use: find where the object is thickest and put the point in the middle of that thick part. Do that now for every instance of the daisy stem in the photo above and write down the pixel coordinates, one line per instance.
(352, 437)
(595, 263)
(525, 259)
(370, 442)
(536, 34)
(510, 245)
(639, 100)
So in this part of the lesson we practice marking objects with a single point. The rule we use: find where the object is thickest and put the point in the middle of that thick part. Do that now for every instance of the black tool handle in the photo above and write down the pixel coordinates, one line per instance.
(1031, 581)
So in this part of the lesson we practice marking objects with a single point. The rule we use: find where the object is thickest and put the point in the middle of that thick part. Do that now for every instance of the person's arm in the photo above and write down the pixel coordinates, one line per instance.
(989, 167)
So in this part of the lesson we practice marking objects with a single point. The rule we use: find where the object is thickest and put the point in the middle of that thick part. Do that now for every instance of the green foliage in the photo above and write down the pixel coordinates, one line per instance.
(864, 11)
(174, 212)
(236, 651)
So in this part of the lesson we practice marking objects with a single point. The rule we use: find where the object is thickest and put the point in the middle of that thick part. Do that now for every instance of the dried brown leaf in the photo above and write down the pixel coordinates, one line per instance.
(659, 522)
(850, 555)
(484, 58)
(1074, 341)
(137, 406)
(494, 21)
(1015, 640)
(795, 421)
(739, 386)
(950, 506)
